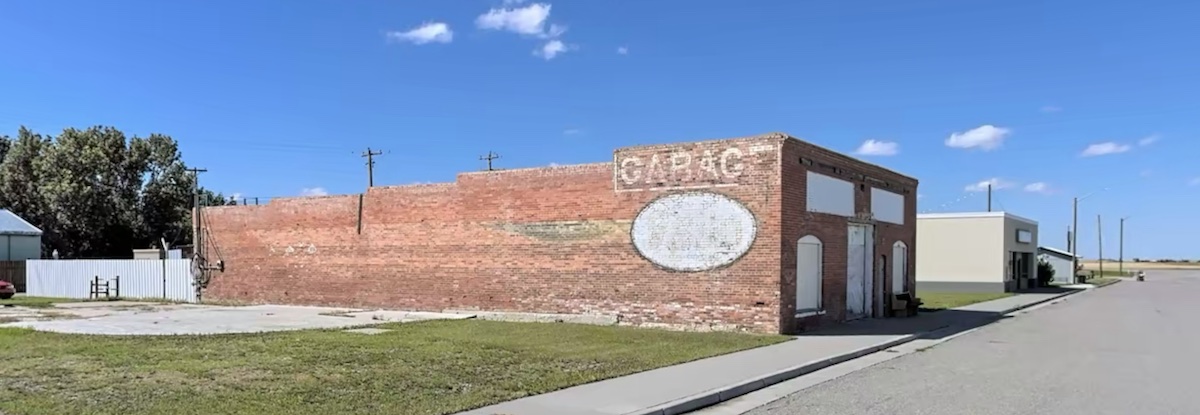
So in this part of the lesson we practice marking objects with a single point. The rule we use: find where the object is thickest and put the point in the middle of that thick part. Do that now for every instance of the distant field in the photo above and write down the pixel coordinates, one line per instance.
(1130, 265)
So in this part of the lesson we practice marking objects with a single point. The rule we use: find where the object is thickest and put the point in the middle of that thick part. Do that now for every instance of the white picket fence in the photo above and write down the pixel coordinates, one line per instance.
(169, 279)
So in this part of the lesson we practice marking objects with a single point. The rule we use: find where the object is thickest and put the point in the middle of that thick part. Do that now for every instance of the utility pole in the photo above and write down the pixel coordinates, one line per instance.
(989, 197)
(197, 246)
(1100, 245)
(1121, 249)
(370, 155)
(489, 157)
(1074, 238)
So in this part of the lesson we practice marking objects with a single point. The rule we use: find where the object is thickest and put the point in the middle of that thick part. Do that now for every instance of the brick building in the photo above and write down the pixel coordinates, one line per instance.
(765, 233)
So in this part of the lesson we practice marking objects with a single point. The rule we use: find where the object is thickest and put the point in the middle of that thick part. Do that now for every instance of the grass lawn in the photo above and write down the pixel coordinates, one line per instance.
(435, 367)
(36, 302)
(936, 301)
(1108, 272)
(1102, 281)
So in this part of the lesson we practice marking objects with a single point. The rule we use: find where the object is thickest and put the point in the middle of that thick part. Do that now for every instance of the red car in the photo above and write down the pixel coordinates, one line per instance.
(7, 290)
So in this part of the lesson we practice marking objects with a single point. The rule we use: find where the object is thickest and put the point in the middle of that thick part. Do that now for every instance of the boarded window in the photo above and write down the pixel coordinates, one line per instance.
(808, 274)
(829, 195)
(887, 206)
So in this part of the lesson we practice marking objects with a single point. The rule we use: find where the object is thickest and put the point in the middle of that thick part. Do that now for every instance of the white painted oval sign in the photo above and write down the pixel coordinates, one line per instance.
(693, 231)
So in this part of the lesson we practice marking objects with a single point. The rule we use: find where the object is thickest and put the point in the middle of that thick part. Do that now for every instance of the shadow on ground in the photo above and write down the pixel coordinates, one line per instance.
(941, 323)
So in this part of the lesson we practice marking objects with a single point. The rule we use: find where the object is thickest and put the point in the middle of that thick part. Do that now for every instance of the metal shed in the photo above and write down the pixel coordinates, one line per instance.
(19, 240)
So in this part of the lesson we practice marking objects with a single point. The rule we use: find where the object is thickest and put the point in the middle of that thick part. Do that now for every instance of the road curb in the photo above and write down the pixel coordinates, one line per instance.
(1044, 301)
(716, 396)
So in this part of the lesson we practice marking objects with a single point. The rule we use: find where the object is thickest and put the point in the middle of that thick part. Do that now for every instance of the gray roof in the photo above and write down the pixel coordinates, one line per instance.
(11, 224)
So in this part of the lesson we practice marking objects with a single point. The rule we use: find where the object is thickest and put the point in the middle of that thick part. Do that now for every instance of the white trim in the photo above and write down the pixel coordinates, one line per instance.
(964, 215)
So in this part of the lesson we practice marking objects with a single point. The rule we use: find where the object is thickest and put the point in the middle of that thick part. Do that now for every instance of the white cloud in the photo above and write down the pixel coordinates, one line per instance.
(236, 196)
(986, 137)
(554, 164)
(1050, 109)
(878, 148)
(996, 182)
(622, 50)
(1194, 182)
(1100, 149)
(554, 31)
(313, 191)
(529, 20)
(435, 32)
(551, 49)
(1038, 187)
(1148, 140)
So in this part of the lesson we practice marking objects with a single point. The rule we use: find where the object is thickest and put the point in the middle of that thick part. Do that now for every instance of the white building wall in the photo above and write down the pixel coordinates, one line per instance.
(1062, 268)
(960, 253)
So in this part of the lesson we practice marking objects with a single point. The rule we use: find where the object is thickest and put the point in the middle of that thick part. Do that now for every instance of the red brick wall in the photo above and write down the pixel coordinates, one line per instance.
(553, 240)
(797, 222)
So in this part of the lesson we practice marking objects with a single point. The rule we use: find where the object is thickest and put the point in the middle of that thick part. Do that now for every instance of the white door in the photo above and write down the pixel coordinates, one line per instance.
(856, 273)
(899, 267)
(808, 274)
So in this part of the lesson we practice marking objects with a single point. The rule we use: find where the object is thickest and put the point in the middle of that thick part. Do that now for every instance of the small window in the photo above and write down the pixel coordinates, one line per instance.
(809, 270)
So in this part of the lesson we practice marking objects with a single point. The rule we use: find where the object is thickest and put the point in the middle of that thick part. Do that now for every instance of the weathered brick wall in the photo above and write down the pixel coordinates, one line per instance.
(797, 222)
(555, 240)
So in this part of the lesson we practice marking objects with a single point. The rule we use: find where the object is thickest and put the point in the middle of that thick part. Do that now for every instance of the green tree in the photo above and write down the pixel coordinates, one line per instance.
(5, 143)
(98, 193)
(19, 182)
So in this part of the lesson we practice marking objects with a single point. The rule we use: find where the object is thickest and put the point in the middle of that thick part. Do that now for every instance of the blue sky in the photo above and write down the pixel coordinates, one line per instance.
(275, 96)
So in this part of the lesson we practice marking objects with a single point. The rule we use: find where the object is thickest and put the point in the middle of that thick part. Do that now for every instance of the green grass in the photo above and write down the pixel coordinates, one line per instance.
(436, 367)
(936, 301)
(1108, 272)
(1102, 281)
(36, 302)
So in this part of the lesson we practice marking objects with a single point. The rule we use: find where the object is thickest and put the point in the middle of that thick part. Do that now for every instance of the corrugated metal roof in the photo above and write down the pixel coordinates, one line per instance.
(11, 224)
(1059, 252)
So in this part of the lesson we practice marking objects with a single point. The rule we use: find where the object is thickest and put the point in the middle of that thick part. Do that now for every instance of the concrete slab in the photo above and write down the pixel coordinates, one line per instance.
(106, 304)
(368, 331)
(594, 319)
(388, 316)
(200, 320)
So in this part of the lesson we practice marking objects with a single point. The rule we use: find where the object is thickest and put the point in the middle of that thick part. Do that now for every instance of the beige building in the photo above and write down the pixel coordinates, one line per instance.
(976, 252)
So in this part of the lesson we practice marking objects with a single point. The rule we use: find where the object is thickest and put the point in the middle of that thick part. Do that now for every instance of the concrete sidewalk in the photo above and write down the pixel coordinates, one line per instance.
(690, 386)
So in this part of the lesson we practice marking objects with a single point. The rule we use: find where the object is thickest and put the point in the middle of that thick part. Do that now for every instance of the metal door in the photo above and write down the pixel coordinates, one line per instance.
(856, 273)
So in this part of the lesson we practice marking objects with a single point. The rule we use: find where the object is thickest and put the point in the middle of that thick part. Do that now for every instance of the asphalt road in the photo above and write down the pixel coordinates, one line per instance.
(1130, 348)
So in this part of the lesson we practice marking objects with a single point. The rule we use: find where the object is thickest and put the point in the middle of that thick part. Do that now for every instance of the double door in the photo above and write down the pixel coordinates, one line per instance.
(859, 271)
